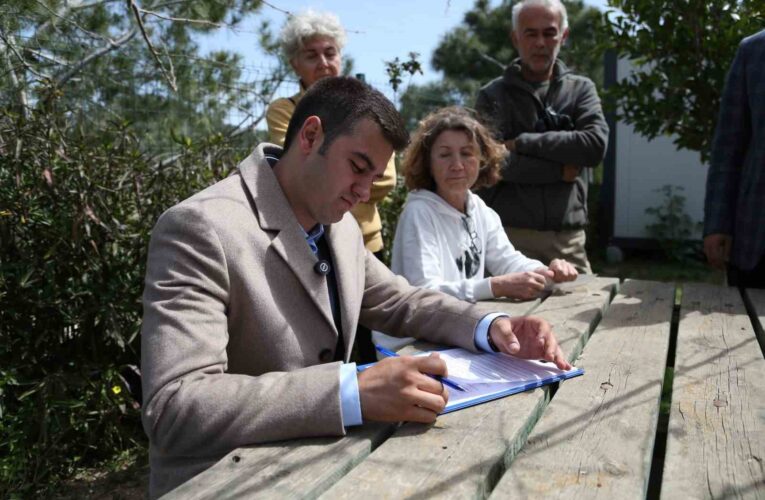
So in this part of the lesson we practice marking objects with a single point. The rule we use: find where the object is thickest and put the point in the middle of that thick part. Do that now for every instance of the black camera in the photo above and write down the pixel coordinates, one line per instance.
(553, 121)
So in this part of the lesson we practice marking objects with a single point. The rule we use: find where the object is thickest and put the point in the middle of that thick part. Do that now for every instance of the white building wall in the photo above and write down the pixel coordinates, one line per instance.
(642, 167)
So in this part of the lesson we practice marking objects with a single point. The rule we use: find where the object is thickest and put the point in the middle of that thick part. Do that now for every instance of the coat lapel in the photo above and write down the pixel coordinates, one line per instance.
(275, 215)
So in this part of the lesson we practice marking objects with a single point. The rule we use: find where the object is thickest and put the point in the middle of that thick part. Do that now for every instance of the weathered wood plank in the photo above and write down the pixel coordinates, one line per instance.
(596, 437)
(299, 468)
(513, 307)
(716, 438)
(463, 454)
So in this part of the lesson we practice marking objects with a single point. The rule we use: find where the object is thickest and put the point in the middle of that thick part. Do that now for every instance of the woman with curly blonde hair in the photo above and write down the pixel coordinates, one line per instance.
(447, 238)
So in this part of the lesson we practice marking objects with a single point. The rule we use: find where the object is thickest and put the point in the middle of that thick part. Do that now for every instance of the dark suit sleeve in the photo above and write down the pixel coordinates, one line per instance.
(585, 146)
(729, 148)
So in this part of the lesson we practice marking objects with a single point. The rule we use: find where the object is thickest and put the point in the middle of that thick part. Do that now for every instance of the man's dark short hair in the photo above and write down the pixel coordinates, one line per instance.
(341, 102)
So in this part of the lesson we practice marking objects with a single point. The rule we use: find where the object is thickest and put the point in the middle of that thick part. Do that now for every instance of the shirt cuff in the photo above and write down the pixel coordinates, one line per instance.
(482, 290)
(481, 337)
(350, 405)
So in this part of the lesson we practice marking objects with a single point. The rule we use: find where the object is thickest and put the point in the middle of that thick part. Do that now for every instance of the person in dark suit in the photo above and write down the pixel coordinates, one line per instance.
(255, 285)
(734, 209)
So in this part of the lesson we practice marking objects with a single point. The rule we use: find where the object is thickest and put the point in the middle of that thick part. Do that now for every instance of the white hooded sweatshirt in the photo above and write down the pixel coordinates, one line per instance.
(438, 247)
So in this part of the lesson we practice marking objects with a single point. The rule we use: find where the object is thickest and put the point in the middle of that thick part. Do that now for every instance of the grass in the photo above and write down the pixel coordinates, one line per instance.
(124, 477)
(654, 266)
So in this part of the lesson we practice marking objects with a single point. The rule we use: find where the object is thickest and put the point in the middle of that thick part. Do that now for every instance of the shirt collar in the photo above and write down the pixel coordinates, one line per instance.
(317, 231)
(312, 236)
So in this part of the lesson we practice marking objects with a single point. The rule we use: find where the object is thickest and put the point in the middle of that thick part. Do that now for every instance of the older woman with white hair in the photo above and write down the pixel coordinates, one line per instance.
(313, 42)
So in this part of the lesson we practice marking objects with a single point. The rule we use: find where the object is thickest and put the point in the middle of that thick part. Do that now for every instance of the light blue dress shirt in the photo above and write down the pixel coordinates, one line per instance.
(349, 384)
(350, 403)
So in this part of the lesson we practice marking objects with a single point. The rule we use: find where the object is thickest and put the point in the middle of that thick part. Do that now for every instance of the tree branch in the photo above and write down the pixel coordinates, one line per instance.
(181, 19)
(169, 4)
(68, 6)
(276, 8)
(16, 85)
(487, 57)
(64, 9)
(42, 55)
(169, 75)
(60, 15)
(9, 42)
(111, 45)
(84, 6)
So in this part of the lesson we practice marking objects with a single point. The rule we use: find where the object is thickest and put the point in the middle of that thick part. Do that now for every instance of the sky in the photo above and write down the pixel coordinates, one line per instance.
(378, 31)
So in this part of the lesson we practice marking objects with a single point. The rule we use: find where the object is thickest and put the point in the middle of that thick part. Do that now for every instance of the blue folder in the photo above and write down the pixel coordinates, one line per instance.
(490, 376)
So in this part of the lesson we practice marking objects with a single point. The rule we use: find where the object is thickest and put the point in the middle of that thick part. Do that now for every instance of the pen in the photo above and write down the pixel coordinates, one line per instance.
(444, 380)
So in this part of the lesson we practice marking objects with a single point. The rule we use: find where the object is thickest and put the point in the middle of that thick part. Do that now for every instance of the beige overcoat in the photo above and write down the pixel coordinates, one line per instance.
(238, 336)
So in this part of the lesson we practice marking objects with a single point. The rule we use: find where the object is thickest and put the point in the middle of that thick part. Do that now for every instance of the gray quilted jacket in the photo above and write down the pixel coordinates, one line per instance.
(532, 193)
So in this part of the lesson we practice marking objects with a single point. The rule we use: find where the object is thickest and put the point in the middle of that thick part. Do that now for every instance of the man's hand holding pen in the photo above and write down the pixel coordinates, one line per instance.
(403, 389)
(408, 388)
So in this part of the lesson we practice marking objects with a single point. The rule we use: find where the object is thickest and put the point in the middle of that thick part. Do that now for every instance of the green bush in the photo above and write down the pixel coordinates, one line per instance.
(390, 210)
(673, 228)
(77, 205)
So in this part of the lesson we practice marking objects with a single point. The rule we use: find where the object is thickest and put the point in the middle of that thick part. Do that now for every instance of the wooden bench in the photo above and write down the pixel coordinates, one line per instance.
(603, 434)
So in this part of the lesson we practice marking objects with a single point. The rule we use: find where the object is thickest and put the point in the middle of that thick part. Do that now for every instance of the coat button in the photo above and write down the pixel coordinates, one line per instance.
(325, 356)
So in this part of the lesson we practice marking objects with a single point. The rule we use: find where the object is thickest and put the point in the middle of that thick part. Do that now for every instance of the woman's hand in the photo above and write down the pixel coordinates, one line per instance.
(526, 285)
(562, 271)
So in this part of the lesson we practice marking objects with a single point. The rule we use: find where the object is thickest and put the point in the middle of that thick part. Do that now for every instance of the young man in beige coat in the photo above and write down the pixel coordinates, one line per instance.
(255, 285)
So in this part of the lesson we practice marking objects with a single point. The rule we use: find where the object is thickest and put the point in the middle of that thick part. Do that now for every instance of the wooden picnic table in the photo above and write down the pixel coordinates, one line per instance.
(671, 405)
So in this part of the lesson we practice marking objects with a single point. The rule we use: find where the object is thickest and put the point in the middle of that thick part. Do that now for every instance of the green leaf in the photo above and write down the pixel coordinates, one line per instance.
(28, 393)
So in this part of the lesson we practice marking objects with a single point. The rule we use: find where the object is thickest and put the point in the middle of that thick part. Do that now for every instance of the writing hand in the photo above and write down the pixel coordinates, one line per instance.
(400, 389)
(526, 285)
(717, 249)
(527, 337)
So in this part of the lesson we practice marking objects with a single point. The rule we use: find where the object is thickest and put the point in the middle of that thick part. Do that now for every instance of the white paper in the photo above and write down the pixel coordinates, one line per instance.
(487, 374)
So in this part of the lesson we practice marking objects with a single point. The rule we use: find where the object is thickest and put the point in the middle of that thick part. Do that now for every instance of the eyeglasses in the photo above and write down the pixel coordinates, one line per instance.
(475, 241)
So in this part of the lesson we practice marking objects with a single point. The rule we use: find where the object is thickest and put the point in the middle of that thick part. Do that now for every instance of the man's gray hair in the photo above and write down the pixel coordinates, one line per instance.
(309, 24)
(552, 4)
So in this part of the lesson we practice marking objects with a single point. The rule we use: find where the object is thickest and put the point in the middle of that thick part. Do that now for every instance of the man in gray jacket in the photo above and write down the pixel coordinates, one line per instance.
(553, 126)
